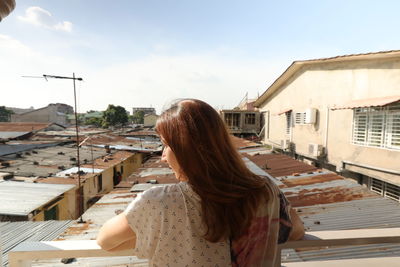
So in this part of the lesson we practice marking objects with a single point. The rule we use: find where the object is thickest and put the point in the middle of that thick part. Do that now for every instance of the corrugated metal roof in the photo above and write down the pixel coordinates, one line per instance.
(108, 206)
(370, 102)
(144, 187)
(19, 198)
(327, 201)
(15, 148)
(258, 171)
(11, 135)
(279, 164)
(13, 233)
(74, 170)
(132, 148)
(155, 171)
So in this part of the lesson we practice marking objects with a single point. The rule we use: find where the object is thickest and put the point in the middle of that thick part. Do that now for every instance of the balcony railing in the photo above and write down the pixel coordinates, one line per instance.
(23, 254)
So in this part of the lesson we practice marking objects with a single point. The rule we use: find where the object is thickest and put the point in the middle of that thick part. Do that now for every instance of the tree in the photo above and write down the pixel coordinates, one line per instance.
(5, 114)
(98, 122)
(138, 117)
(114, 116)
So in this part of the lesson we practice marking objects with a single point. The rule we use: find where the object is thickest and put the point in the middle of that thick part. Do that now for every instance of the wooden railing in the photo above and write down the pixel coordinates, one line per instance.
(23, 254)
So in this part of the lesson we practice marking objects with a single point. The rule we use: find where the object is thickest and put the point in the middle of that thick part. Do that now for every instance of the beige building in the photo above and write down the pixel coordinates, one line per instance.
(342, 113)
(150, 120)
(53, 113)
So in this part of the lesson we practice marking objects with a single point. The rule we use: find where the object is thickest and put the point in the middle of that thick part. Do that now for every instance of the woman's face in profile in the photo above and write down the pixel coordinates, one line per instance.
(169, 157)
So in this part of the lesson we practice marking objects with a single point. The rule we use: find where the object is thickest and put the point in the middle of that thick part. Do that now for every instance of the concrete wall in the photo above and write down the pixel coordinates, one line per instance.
(150, 120)
(47, 114)
(323, 85)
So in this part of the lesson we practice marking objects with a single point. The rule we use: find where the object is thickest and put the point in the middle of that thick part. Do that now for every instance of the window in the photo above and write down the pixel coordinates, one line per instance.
(300, 118)
(51, 214)
(232, 119)
(288, 122)
(385, 189)
(250, 118)
(377, 126)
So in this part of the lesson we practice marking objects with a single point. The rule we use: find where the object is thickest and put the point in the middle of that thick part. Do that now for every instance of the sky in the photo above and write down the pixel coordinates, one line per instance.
(146, 53)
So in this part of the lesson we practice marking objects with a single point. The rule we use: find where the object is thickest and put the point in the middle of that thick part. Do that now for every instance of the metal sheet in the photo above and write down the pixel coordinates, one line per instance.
(19, 198)
(74, 170)
(13, 233)
(155, 171)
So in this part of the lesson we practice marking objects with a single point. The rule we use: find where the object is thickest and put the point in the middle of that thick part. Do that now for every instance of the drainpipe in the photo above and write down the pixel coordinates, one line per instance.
(369, 167)
(326, 130)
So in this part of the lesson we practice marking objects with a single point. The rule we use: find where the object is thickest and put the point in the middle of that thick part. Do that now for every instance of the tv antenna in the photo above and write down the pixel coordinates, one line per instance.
(73, 78)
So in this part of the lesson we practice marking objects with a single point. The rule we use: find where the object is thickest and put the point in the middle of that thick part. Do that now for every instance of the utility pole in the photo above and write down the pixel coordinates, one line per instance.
(73, 78)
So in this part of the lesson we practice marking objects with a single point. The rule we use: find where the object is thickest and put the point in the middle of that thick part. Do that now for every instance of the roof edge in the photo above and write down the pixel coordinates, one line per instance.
(296, 65)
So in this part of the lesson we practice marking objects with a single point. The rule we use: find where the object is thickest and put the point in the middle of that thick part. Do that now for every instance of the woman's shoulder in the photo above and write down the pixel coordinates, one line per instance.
(163, 192)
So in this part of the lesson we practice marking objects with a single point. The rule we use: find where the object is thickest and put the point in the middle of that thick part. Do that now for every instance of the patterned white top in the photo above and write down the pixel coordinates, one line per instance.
(168, 226)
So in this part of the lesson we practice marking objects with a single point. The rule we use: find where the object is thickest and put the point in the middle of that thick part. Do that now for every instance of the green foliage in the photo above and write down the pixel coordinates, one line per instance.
(98, 122)
(5, 114)
(114, 116)
(138, 117)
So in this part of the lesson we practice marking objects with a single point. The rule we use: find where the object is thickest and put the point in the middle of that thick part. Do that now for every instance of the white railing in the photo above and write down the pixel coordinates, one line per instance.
(23, 254)
(342, 238)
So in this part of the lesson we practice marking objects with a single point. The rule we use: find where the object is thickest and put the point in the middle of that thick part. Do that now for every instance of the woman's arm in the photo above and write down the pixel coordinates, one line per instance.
(297, 226)
(116, 234)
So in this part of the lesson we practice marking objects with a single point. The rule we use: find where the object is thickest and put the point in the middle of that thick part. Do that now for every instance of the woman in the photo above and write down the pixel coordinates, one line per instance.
(219, 214)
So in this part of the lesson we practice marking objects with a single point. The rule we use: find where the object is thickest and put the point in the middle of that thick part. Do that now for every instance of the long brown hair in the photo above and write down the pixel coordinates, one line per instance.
(229, 191)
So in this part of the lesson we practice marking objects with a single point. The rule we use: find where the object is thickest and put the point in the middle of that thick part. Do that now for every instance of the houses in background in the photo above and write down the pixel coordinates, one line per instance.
(244, 120)
(53, 113)
(47, 159)
(341, 113)
(145, 110)
(23, 130)
(149, 120)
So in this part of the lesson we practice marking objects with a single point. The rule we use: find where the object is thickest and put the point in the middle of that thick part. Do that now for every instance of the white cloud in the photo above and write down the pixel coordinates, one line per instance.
(152, 81)
(156, 80)
(17, 60)
(40, 17)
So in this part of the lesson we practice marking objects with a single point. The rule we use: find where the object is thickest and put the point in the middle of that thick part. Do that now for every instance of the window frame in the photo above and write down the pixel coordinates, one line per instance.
(377, 127)
(250, 118)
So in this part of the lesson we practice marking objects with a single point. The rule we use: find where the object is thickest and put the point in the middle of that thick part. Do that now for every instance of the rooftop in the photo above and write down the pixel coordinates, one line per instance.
(20, 199)
(33, 161)
(323, 199)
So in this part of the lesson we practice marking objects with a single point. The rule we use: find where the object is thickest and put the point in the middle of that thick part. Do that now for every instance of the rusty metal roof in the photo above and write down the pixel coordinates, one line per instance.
(241, 143)
(22, 126)
(370, 102)
(279, 164)
(327, 201)
(324, 200)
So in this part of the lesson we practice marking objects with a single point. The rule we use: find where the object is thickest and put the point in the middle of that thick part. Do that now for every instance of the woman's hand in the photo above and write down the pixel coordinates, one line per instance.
(116, 234)
(297, 232)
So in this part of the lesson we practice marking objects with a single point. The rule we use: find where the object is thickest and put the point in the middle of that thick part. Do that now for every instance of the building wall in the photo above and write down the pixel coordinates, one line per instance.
(47, 114)
(131, 164)
(150, 120)
(38, 217)
(243, 126)
(68, 208)
(322, 86)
